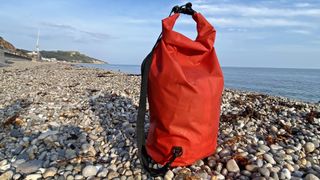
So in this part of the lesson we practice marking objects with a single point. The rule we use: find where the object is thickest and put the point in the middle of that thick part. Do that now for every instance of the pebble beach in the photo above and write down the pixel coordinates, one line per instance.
(62, 121)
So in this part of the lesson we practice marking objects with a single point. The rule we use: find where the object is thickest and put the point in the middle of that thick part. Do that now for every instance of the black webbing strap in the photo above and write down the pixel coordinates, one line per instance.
(142, 153)
(176, 151)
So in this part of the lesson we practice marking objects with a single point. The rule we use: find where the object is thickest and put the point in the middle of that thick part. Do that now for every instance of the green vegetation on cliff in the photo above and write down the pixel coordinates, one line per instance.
(70, 56)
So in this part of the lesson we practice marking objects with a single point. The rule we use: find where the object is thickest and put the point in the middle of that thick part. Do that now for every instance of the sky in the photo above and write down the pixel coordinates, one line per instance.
(250, 33)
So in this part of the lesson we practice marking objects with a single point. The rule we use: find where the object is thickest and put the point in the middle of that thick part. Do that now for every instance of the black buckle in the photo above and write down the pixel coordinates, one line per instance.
(177, 151)
(184, 9)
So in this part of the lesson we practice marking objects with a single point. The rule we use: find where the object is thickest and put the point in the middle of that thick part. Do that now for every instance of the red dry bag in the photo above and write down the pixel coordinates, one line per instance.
(183, 82)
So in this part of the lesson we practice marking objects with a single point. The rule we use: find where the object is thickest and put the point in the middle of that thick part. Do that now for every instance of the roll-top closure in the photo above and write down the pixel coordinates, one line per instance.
(204, 40)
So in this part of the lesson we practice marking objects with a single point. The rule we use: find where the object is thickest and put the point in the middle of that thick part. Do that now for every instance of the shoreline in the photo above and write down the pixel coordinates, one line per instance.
(228, 88)
(64, 121)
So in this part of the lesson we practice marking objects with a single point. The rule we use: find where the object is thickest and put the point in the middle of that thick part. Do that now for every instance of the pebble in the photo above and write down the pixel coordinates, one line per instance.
(113, 174)
(33, 177)
(276, 147)
(265, 172)
(269, 158)
(309, 147)
(70, 154)
(311, 177)
(251, 167)
(259, 163)
(232, 166)
(50, 172)
(29, 166)
(169, 175)
(16, 176)
(103, 173)
(6, 175)
(78, 177)
(285, 174)
(46, 134)
(263, 148)
(89, 171)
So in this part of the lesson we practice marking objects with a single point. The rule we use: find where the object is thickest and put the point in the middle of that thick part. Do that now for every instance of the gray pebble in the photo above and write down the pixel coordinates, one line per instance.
(269, 158)
(232, 166)
(285, 174)
(311, 177)
(265, 172)
(89, 171)
(29, 166)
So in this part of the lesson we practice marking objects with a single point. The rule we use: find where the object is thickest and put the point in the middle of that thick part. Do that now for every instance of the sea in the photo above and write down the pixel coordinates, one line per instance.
(297, 84)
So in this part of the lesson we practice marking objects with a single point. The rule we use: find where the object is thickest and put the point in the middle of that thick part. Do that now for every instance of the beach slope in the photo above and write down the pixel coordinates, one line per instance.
(61, 120)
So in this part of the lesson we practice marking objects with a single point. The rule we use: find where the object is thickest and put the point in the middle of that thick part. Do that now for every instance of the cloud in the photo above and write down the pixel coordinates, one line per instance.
(260, 14)
(299, 31)
(97, 36)
(256, 11)
(244, 23)
(302, 5)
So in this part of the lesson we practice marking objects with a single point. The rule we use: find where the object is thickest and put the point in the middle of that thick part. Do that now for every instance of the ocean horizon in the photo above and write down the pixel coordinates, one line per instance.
(294, 83)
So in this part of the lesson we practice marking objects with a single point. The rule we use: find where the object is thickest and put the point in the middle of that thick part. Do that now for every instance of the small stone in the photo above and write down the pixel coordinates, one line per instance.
(33, 177)
(127, 164)
(251, 167)
(128, 173)
(46, 134)
(112, 167)
(297, 173)
(3, 162)
(211, 163)
(309, 147)
(169, 175)
(285, 174)
(263, 148)
(7, 175)
(316, 143)
(276, 147)
(29, 166)
(274, 129)
(70, 177)
(259, 163)
(78, 177)
(50, 172)
(70, 154)
(16, 133)
(265, 172)
(199, 163)
(289, 167)
(5, 167)
(103, 172)
(269, 158)
(224, 153)
(232, 166)
(69, 167)
(113, 174)
(16, 176)
(89, 171)
(311, 177)
(246, 173)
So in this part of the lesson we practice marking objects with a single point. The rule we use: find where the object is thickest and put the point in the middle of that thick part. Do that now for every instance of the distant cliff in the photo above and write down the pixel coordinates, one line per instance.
(6, 45)
(70, 56)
